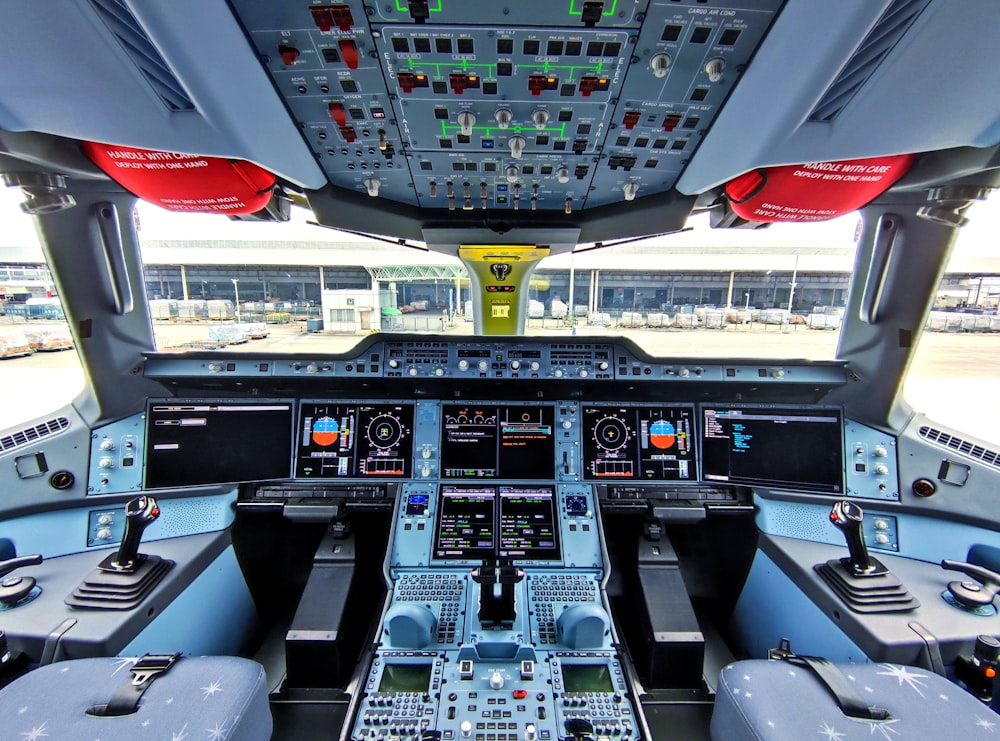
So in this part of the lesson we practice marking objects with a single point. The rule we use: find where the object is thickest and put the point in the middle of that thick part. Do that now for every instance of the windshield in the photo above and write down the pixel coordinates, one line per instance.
(215, 284)
(777, 293)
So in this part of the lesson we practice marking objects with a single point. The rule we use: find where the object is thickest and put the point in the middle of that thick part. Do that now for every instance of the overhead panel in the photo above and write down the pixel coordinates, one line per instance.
(472, 105)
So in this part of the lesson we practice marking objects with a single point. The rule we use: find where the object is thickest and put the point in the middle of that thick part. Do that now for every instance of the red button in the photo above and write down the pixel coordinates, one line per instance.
(520, 694)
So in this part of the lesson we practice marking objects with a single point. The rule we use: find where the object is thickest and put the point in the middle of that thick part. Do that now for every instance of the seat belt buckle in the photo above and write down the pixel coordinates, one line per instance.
(782, 652)
(151, 666)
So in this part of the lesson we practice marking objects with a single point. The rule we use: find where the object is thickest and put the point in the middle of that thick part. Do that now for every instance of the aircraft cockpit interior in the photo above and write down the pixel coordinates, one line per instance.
(527, 455)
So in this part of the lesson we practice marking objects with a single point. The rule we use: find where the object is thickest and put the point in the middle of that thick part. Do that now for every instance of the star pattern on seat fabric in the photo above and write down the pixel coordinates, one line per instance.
(212, 689)
(829, 733)
(905, 675)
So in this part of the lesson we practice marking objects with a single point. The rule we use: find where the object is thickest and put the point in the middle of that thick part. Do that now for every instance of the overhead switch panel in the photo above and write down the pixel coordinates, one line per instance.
(597, 103)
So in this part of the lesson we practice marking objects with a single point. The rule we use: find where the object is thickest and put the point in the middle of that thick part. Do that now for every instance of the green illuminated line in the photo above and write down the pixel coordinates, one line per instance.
(438, 9)
(572, 67)
(614, 4)
(514, 129)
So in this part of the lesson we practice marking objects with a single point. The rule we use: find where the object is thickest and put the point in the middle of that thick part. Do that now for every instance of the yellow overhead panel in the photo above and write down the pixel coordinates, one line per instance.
(499, 274)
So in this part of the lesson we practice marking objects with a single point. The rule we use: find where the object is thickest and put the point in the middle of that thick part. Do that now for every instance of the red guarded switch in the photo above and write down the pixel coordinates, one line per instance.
(338, 113)
(407, 81)
(288, 54)
(349, 134)
(349, 52)
(631, 119)
(671, 121)
(327, 16)
(536, 84)
(342, 17)
(458, 83)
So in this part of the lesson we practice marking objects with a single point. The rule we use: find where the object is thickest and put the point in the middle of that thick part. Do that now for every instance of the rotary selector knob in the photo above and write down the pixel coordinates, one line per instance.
(104, 533)
(683, 373)
(496, 680)
(777, 373)
(603, 365)
(466, 120)
(215, 367)
(557, 373)
(535, 365)
(583, 373)
(562, 174)
(426, 452)
(105, 462)
(515, 365)
(503, 117)
(425, 470)
(530, 734)
(373, 186)
(393, 363)
(312, 368)
(512, 173)
(630, 190)
(463, 365)
(517, 145)
(881, 525)
(104, 519)
(413, 370)
(881, 538)
(660, 64)
(881, 469)
(483, 366)
(107, 444)
(439, 372)
(714, 69)
(465, 729)
(880, 452)
(540, 118)
(567, 424)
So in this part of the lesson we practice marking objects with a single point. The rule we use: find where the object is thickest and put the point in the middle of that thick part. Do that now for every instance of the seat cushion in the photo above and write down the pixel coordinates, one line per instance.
(774, 700)
(213, 697)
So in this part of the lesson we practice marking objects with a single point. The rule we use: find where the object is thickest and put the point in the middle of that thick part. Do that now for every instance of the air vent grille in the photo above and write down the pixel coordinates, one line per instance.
(876, 46)
(136, 43)
(989, 457)
(30, 434)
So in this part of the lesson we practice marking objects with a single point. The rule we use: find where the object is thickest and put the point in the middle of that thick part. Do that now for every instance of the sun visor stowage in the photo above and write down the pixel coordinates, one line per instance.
(185, 182)
(814, 191)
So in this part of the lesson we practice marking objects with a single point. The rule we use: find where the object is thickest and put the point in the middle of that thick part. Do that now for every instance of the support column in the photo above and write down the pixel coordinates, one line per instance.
(729, 293)
(184, 282)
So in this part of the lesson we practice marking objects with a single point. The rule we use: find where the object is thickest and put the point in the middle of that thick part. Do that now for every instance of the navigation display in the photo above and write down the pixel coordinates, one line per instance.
(337, 441)
(486, 441)
(649, 443)
(799, 449)
(468, 516)
(198, 442)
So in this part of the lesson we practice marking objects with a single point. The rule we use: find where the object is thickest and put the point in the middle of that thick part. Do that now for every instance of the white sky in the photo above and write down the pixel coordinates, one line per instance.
(978, 239)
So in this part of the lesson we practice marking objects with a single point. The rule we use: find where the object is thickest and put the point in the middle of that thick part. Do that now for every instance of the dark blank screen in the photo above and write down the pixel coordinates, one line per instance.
(195, 443)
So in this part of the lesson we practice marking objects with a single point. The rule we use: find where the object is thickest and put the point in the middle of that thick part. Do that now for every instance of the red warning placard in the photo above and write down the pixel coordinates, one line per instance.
(185, 182)
(814, 191)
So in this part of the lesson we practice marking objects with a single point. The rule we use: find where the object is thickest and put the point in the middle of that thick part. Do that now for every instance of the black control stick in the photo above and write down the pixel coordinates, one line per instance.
(847, 516)
(140, 513)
